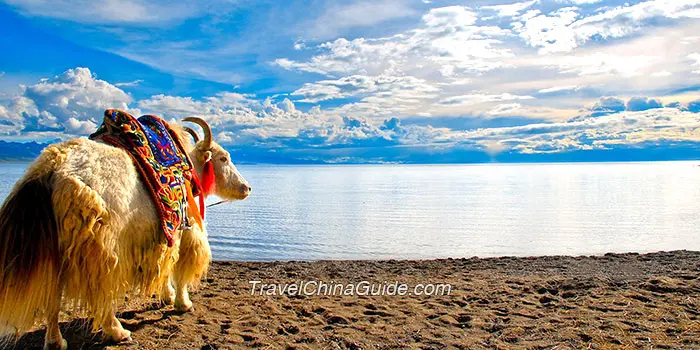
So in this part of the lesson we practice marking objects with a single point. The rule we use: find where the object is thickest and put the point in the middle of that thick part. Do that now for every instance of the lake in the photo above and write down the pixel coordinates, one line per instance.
(440, 211)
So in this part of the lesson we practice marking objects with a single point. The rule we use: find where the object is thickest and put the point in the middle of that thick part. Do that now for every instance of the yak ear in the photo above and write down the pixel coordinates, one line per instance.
(208, 176)
(206, 156)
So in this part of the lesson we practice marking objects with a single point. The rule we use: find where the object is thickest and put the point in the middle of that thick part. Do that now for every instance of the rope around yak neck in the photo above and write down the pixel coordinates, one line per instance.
(217, 203)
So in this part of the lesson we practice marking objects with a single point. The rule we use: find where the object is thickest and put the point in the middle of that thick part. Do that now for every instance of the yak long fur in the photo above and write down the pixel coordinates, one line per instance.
(81, 229)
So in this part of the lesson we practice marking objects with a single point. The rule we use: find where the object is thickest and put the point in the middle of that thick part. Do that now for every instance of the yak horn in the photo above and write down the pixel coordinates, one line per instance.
(206, 143)
(192, 132)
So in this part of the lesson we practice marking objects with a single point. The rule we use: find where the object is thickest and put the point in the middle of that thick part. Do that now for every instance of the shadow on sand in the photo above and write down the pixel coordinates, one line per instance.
(79, 335)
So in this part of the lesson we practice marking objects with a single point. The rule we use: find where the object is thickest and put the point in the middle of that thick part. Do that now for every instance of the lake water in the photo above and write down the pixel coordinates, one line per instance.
(439, 211)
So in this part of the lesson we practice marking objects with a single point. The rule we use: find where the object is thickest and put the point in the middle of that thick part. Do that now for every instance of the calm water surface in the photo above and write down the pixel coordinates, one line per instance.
(437, 211)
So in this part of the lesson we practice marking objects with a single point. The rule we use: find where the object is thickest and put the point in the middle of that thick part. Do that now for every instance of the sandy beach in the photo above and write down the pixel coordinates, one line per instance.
(627, 301)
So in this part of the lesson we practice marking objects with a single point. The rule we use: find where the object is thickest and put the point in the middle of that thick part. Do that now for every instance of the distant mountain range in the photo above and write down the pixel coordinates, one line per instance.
(20, 151)
(26, 151)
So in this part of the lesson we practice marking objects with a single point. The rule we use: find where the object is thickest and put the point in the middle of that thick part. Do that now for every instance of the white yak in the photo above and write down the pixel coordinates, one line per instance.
(80, 228)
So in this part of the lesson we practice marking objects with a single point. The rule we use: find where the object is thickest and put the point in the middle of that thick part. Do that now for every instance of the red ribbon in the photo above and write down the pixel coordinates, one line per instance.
(206, 185)
(208, 178)
(201, 205)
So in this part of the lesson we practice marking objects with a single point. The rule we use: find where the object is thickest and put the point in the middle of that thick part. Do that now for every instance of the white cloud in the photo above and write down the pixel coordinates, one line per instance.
(287, 106)
(695, 57)
(506, 109)
(73, 104)
(478, 98)
(455, 54)
(78, 127)
(551, 32)
(129, 83)
(299, 45)
(404, 74)
(136, 13)
(245, 121)
(690, 40)
(396, 87)
(447, 38)
(603, 64)
(580, 2)
(320, 91)
(566, 28)
(336, 19)
(510, 10)
(558, 89)
(620, 68)
(142, 13)
(449, 16)
(604, 132)
(175, 105)
(65, 102)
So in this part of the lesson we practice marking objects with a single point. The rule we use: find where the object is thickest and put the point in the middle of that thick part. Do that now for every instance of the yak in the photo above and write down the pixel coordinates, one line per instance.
(81, 230)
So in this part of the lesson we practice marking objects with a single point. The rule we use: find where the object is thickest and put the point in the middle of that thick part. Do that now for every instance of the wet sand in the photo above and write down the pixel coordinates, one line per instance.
(616, 301)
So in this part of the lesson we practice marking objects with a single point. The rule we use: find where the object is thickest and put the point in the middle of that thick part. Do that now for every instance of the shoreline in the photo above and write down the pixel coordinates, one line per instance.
(626, 300)
(475, 257)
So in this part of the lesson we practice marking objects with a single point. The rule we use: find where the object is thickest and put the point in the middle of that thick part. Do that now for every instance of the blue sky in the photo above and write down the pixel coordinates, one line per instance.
(366, 81)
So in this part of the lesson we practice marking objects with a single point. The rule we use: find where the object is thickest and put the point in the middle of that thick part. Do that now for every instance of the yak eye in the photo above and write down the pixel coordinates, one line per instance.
(224, 159)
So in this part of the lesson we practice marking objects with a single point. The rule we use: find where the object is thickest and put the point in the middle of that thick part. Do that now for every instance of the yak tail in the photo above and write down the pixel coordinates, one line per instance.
(29, 255)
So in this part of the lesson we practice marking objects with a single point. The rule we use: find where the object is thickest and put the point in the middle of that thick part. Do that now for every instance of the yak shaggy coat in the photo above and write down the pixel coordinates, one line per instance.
(81, 229)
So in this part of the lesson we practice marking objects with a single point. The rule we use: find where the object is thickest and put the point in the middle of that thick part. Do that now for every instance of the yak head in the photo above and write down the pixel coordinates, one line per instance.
(229, 184)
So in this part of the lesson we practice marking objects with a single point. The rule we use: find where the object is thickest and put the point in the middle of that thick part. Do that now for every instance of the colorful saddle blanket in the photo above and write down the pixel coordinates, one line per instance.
(161, 160)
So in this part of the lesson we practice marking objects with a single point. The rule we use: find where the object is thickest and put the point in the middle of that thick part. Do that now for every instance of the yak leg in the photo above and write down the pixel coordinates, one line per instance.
(113, 331)
(167, 293)
(54, 340)
(182, 297)
(192, 264)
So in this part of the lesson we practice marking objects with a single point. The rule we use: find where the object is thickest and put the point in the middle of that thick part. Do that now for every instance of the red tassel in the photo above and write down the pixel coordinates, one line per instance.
(208, 178)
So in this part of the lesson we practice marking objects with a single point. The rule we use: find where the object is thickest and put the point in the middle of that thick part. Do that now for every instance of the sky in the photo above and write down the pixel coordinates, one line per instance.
(366, 81)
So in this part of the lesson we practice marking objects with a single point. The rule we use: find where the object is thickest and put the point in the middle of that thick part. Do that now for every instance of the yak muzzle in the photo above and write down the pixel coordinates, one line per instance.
(245, 190)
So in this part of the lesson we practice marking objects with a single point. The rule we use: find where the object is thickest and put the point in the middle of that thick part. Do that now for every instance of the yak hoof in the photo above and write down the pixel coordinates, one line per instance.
(183, 306)
(62, 345)
(168, 296)
(121, 336)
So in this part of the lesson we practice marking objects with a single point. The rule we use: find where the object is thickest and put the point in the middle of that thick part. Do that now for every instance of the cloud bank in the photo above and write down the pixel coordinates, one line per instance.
(71, 104)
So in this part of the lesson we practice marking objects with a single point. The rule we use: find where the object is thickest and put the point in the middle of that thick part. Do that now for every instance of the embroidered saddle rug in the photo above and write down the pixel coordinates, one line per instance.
(161, 160)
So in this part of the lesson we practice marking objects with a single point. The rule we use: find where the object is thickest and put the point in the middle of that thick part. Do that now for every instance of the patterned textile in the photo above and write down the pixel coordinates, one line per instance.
(161, 160)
